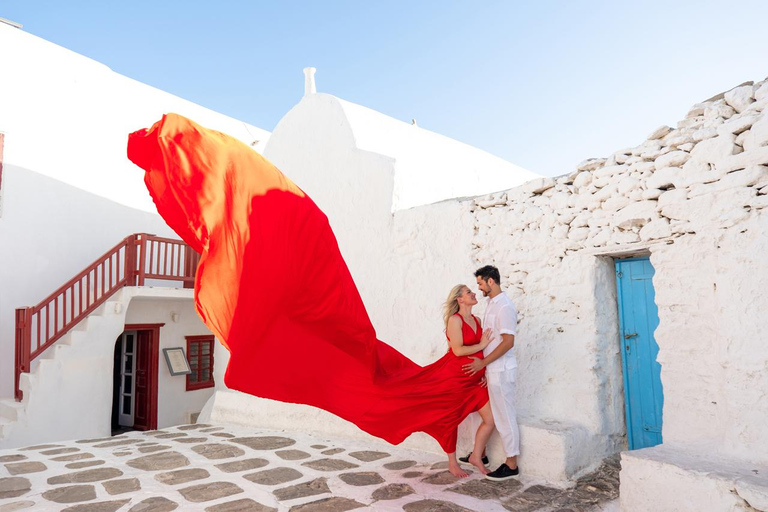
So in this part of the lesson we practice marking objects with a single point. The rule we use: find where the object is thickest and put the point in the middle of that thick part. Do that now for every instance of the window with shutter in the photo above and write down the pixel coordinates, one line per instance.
(200, 355)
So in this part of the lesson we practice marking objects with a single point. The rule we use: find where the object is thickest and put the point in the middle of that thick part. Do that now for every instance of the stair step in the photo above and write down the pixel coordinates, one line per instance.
(88, 322)
(9, 409)
(26, 380)
(26, 383)
(74, 338)
(92, 320)
(105, 308)
(55, 352)
(5, 427)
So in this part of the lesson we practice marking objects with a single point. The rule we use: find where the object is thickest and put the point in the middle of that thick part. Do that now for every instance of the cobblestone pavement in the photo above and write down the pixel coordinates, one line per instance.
(237, 469)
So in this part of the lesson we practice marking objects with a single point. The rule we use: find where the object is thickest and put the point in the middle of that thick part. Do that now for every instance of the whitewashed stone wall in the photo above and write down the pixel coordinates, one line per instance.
(693, 196)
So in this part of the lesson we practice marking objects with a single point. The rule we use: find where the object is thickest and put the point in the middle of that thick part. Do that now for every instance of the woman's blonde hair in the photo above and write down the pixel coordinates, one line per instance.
(451, 306)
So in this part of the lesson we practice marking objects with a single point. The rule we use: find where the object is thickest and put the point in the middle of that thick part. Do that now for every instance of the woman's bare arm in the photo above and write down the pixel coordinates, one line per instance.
(456, 339)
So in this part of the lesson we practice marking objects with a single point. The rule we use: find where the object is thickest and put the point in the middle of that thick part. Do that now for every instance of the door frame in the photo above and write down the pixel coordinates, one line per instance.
(154, 358)
(622, 349)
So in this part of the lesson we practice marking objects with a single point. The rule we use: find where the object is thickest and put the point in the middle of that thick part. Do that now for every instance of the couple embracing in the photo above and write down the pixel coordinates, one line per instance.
(486, 351)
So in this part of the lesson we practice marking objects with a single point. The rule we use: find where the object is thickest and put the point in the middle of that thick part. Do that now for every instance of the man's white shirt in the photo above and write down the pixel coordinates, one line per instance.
(501, 317)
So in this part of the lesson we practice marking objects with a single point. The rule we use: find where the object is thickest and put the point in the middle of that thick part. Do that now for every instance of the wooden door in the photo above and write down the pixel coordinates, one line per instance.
(638, 319)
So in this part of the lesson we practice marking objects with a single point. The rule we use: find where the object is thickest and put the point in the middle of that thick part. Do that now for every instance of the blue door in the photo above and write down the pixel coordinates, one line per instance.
(638, 319)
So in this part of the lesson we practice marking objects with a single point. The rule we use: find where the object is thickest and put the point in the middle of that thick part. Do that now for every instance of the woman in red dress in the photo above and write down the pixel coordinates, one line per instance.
(466, 338)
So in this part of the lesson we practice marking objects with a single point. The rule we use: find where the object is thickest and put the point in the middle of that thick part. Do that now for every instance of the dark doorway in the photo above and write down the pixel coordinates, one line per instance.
(134, 395)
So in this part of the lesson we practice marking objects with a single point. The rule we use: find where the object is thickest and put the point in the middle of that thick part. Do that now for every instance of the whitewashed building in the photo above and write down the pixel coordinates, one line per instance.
(640, 283)
(640, 278)
(68, 195)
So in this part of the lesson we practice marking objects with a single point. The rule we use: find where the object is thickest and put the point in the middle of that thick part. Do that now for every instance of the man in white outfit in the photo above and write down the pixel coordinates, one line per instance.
(500, 367)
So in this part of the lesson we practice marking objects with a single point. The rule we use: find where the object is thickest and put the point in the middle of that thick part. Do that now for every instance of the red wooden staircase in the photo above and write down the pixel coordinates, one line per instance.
(135, 260)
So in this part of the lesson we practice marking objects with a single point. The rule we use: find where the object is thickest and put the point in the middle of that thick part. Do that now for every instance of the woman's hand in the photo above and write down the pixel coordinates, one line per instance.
(486, 339)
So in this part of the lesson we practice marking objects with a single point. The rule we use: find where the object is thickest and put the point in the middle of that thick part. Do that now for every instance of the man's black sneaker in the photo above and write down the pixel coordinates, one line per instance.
(503, 473)
(465, 460)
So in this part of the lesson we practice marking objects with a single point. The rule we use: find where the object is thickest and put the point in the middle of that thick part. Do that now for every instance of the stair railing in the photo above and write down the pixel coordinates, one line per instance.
(131, 262)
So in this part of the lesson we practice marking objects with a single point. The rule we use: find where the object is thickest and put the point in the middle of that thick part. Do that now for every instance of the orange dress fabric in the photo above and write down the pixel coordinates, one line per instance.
(272, 286)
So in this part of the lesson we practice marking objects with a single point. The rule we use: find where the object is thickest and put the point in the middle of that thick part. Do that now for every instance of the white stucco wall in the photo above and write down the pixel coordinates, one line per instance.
(50, 231)
(427, 167)
(68, 191)
(174, 402)
(69, 393)
(714, 358)
(396, 259)
(68, 117)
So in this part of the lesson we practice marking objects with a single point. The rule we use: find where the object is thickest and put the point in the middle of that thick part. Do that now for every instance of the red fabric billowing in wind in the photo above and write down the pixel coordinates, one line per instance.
(272, 286)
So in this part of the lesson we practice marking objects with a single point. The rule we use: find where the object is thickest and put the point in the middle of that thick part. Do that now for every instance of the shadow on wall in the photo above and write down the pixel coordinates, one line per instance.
(608, 361)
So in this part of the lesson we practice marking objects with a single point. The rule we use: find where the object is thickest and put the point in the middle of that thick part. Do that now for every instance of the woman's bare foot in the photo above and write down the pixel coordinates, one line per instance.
(478, 463)
(456, 470)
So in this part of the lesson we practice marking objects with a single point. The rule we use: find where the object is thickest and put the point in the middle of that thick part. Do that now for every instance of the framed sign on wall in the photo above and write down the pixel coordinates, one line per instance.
(176, 361)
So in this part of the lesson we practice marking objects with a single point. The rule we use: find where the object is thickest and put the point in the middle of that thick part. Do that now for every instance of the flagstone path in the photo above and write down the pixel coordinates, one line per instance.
(237, 469)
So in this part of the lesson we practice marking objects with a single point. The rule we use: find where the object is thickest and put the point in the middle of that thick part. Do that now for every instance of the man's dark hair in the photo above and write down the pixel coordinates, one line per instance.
(489, 272)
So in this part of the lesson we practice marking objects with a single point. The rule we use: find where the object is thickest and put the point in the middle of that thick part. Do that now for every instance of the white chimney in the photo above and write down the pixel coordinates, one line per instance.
(309, 81)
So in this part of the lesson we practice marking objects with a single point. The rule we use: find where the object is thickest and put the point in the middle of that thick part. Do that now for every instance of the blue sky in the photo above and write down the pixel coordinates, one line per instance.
(544, 84)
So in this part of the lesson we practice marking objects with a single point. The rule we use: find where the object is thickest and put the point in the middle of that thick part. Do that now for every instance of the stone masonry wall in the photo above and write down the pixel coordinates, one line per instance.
(694, 197)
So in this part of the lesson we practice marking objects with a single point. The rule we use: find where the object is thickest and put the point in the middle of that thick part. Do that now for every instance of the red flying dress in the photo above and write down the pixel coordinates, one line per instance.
(272, 286)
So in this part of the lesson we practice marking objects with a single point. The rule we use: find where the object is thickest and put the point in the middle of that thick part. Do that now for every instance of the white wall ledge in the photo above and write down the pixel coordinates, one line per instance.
(674, 479)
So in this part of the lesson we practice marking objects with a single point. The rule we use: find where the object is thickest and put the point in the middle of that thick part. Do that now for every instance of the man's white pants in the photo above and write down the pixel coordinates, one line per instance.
(501, 391)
